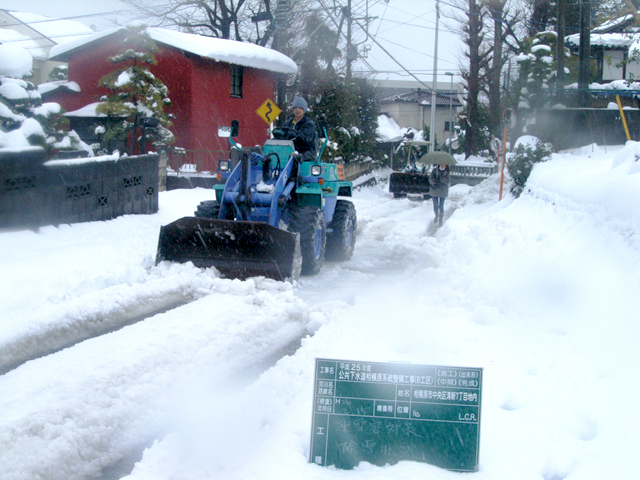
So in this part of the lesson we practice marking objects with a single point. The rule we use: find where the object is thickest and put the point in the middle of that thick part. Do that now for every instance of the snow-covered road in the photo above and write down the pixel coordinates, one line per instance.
(80, 282)
(541, 292)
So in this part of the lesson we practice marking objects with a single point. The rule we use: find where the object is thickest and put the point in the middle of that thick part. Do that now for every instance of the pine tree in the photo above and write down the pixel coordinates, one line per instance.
(536, 62)
(135, 93)
(59, 72)
(351, 114)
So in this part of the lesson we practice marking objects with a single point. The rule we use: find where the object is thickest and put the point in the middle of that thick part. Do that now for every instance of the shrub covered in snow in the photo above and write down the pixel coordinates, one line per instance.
(528, 151)
(60, 72)
(24, 120)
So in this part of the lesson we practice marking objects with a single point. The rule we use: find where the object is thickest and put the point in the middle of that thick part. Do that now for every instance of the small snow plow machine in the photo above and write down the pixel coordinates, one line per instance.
(412, 177)
(276, 216)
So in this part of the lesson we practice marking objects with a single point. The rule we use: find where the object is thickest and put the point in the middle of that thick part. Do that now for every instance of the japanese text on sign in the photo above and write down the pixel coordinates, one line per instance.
(384, 413)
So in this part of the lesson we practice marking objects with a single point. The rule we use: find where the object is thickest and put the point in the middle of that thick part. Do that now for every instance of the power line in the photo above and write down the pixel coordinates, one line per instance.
(383, 14)
(415, 25)
(41, 36)
(56, 19)
(416, 51)
(392, 57)
(328, 10)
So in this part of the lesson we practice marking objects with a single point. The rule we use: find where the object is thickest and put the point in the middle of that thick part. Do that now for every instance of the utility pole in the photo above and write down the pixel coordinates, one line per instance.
(281, 19)
(281, 24)
(432, 128)
(562, 11)
(450, 74)
(584, 52)
(350, 56)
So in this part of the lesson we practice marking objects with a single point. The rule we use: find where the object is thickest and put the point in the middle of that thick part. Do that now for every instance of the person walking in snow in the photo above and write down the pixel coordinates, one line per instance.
(306, 140)
(439, 182)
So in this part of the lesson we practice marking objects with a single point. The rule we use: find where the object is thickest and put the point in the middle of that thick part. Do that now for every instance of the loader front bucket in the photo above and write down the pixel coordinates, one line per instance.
(409, 182)
(237, 249)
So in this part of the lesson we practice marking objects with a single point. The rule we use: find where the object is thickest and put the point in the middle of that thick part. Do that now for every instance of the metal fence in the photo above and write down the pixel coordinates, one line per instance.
(206, 161)
(473, 171)
(470, 175)
(196, 161)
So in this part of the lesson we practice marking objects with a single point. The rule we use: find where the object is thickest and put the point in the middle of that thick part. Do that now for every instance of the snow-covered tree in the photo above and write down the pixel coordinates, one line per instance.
(135, 94)
(351, 115)
(536, 70)
(60, 72)
(24, 120)
(527, 152)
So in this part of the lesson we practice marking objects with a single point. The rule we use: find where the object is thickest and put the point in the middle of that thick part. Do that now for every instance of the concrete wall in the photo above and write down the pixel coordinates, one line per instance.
(35, 192)
(573, 127)
(353, 170)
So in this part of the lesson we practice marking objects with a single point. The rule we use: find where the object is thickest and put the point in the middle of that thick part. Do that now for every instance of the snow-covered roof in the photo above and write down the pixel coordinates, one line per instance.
(8, 36)
(60, 31)
(220, 50)
(614, 24)
(86, 111)
(423, 97)
(47, 87)
(390, 132)
(37, 33)
(605, 40)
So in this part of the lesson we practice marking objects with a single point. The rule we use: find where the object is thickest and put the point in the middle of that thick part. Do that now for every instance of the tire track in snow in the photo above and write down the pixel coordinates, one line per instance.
(55, 326)
(94, 406)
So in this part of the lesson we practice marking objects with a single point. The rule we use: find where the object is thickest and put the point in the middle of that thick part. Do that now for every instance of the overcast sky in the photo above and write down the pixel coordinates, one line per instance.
(101, 13)
(406, 29)
(403, 29)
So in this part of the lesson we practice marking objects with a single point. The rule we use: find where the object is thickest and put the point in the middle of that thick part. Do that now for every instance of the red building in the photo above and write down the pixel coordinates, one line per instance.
(211, 82)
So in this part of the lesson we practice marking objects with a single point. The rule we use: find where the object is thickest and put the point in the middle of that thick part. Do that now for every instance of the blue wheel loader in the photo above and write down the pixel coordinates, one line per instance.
(279, 214)
(410, 177)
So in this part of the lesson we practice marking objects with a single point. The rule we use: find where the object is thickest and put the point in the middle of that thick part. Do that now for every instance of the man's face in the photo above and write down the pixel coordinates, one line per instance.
(298, 113)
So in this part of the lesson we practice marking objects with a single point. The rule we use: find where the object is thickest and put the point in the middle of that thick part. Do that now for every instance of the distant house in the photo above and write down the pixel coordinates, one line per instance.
(211, 82)
(412, 108)
(611, 44)
(38, 35)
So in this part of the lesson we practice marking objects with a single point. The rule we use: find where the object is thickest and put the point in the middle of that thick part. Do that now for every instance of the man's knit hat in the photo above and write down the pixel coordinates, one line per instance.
(299, 102)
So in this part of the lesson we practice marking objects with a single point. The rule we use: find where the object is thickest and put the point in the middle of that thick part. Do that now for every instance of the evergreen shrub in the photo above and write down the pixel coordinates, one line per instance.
(522, 160)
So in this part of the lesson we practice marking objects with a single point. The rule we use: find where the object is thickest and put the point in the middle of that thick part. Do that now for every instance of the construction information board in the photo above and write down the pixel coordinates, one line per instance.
(384, 413)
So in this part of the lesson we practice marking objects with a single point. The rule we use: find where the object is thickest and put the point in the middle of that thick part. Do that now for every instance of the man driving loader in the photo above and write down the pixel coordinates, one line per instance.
(306, 135)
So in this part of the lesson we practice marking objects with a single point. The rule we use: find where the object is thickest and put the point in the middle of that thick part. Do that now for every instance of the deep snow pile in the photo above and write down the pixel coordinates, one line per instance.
(540, 291)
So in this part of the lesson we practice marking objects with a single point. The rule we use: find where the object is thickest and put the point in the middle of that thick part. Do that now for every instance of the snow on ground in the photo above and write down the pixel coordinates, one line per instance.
(540, 292)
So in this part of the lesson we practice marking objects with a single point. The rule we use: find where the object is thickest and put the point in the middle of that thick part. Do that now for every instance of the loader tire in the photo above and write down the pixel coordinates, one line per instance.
(309, 223)
(207, 209)
(211, 209)
(342, 240)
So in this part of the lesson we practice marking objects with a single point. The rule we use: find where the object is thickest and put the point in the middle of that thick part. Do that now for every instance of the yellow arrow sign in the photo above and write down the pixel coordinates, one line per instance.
(268, 111)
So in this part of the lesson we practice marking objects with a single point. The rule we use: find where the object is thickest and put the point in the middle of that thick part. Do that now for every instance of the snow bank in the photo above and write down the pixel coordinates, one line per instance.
(539, 291)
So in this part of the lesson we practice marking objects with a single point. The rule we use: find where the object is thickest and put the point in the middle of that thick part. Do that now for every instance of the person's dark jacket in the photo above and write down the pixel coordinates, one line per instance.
(307, 139)
(439, 181)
